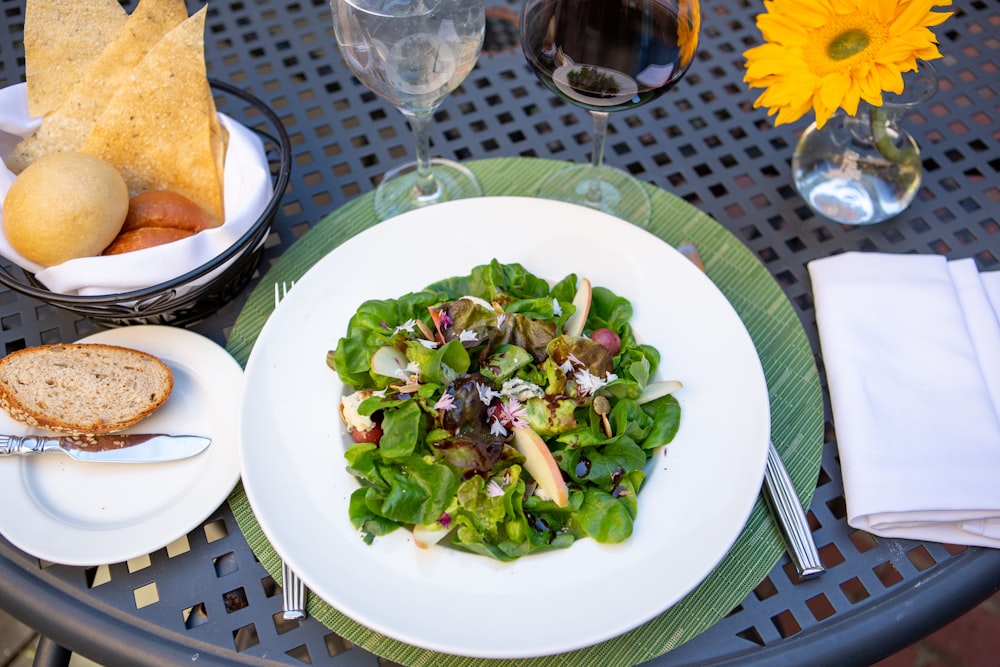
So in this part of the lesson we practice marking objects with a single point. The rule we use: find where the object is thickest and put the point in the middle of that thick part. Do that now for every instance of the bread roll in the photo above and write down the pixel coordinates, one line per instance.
(63, 206)
(165, 208)
(83, 388)
(144, 237)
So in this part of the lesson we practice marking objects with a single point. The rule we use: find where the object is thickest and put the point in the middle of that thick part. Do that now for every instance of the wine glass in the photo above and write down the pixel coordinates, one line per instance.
(413, 53)
(604, 56)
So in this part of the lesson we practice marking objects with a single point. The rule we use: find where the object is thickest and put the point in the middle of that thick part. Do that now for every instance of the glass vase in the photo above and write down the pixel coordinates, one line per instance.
(865, 168)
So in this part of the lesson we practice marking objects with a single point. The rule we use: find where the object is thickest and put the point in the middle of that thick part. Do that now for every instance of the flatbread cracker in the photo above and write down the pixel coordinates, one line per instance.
(67, 127)
(161, 129)
(61, 39)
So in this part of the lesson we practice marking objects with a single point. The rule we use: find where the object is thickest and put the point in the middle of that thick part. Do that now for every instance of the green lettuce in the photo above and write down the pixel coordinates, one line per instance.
(443, 457)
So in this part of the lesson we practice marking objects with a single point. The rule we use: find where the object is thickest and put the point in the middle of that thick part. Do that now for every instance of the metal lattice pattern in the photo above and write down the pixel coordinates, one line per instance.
(703, 141)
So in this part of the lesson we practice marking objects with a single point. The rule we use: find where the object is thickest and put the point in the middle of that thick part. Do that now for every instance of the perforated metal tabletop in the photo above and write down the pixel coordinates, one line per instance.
(206, 600)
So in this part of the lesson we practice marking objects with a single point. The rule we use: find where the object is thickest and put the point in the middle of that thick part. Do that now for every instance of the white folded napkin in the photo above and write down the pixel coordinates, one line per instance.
(911, 347)
(247, 190)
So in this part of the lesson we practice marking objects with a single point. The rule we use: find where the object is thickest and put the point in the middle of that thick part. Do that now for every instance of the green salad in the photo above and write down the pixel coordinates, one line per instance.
(500, 413)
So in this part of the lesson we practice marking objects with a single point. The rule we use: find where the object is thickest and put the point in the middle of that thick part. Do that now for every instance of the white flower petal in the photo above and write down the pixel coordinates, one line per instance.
(407, 326)
(496, 428)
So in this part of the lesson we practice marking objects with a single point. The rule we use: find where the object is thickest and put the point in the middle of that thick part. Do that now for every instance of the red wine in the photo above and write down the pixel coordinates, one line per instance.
(607, 55)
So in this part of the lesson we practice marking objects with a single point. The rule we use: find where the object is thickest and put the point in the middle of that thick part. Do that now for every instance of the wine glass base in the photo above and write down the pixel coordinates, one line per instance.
(621, 195)
(398, 191)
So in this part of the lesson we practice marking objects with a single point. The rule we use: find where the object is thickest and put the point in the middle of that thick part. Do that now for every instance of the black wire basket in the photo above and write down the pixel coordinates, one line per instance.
(181, 300)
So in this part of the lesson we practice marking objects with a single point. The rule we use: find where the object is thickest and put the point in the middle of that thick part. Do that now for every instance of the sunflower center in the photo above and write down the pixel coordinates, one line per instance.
(846, 39)
(848, 44)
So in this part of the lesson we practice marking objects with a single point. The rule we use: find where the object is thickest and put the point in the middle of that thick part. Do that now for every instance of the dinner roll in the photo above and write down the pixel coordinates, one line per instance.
(165, 208)
(63, 206)
(145, 237)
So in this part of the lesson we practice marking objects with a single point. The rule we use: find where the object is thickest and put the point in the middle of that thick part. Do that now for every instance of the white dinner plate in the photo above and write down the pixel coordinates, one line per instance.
(83, 513)
(698, 495)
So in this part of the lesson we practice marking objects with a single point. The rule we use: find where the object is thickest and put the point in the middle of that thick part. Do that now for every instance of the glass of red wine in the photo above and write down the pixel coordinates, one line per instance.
(604, 56)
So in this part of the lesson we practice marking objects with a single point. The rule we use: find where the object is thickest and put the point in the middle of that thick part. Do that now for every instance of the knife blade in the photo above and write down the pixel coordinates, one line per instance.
(114, 448)
(779, 491)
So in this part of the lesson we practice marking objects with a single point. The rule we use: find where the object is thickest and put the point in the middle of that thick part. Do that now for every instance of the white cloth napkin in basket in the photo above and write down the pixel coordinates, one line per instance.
(247, 190)
(911, 347)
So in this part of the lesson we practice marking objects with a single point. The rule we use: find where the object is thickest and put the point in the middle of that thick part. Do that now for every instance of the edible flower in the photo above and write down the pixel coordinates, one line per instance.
(570, 365)
(406, 326)
(496, 428)
(829, 54)
(467, 336)
(512, 413)
(446, 402)
(494, 490)
(486, 394)
(411, 373)
(587, 383)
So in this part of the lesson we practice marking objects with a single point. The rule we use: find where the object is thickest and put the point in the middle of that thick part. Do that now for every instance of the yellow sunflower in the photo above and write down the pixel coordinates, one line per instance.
(825, 54)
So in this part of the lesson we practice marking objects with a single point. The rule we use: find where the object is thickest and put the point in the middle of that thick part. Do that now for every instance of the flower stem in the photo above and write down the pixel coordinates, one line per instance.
(879, 122)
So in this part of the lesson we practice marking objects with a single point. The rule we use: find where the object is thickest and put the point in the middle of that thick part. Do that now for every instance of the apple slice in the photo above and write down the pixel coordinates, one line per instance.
(574, 325)
(427, 536)
(540, 465)
(656, 390)
(389, 361)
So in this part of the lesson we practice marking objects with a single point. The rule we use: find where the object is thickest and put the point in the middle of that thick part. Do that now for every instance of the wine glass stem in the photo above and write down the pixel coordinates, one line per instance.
(426, 186)
(600, 119)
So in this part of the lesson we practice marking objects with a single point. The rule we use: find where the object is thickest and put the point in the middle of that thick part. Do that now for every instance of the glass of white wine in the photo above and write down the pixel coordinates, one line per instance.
(413, 53)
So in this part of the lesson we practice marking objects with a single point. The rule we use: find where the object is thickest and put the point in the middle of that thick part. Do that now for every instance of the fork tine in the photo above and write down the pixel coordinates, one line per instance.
(293, 594)
(282, 291)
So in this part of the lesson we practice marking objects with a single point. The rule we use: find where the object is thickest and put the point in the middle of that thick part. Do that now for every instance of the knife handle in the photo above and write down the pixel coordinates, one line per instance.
(792, 520)
(28, 444)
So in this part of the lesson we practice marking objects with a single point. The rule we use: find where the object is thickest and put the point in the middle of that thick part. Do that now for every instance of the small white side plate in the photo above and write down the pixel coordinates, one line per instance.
(80, 513)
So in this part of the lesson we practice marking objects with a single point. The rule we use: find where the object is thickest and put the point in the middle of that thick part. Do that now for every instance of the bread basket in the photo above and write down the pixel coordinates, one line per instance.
(187, 298)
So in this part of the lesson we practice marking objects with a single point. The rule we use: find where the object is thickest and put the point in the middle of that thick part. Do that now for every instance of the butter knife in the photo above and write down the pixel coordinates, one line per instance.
(114, 448)
(780, 492)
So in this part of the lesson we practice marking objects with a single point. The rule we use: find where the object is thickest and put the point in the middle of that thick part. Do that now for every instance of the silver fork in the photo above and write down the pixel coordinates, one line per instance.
(293, 590)
(293, 594)
(281, 291)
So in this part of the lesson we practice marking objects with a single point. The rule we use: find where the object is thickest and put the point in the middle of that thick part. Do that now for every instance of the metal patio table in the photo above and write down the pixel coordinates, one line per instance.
(703, 142)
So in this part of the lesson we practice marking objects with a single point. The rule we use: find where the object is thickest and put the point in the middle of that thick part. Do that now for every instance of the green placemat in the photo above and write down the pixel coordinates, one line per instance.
(793, 383)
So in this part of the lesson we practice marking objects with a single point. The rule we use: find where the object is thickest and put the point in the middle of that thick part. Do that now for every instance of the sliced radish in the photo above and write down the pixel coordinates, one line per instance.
(389, 361)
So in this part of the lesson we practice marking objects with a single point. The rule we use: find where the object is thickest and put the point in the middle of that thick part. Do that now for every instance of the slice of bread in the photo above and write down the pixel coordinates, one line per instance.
(83, 388)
